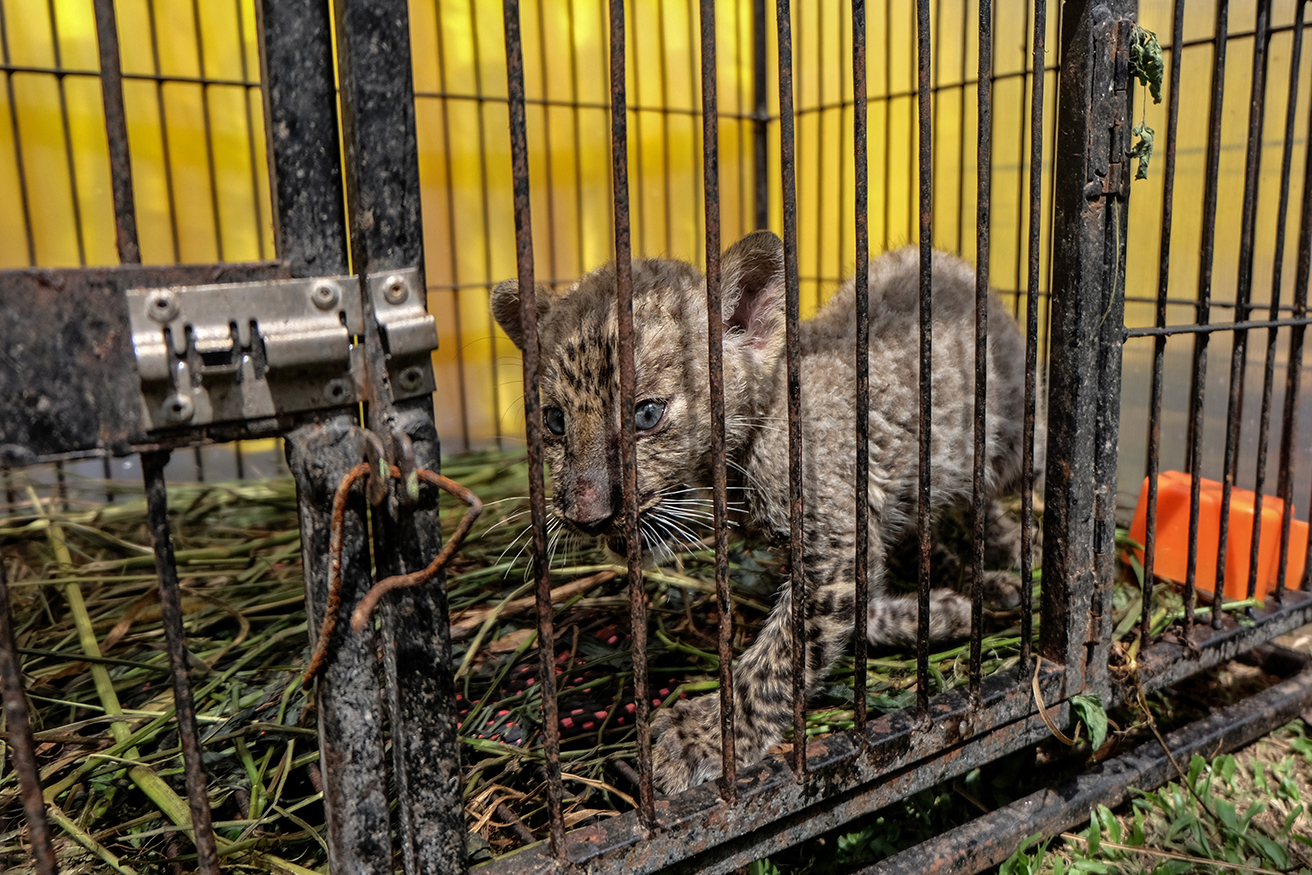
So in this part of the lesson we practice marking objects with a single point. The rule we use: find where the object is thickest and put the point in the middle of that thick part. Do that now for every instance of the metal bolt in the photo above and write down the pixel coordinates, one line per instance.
(325, 294)
(336, 390)
(411, 378)
(395, 290)
(162, 305)
(178, 408)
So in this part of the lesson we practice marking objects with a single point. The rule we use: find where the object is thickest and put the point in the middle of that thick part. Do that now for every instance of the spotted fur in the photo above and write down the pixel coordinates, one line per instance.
(580, 379)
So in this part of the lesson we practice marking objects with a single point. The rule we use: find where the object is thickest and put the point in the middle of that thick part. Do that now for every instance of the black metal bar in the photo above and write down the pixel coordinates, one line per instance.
(988, 840)
(1293, 372)
(22, 750)
(860, 134)
(628, 428)
(383, 195)
(888, 125)
(1277, 269)
(983, 204)
(923, 515)
(1086, 283)
(300, 130)
(170, 605)
(1159, 345)
(1243, 294)
(761, 103)
(116, 133)
(715, 364)
(1039, 47)
(533, 421)
(1167, 662)
(1198, 386)
(796, 569)
(346, 688)
(550, 187)
(1025, 58)
(17, 138)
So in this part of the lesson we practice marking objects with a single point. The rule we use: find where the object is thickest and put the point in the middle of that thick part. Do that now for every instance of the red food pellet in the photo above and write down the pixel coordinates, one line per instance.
(612, 639)
(531, 681)
(600, 715)
(629, 707)
(576, 711)
(567, 722)
(589, 725)
(502, 713)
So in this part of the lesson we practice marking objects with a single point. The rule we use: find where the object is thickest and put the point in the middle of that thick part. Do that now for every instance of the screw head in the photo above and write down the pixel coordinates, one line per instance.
(325, 294)
(336, 391)
(411, 378)
(178, 408)
(395, 289)
(162, 305)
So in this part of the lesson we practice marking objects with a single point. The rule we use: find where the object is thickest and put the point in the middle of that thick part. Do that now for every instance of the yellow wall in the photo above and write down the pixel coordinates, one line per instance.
(465, 164)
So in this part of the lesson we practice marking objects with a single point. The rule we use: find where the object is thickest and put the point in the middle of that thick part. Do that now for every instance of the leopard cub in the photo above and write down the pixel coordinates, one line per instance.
(580, 397)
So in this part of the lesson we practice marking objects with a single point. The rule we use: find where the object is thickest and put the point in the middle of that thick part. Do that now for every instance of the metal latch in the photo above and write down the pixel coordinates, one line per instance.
(243, 351)
(237, 352)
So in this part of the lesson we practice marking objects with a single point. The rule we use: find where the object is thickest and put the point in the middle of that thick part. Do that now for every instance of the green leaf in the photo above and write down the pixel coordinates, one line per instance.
(1146, 61)
(1225, 812)
(1143, 148)
(1269, 849)
(1095, 834)
(1137, 836)
(1089, 711)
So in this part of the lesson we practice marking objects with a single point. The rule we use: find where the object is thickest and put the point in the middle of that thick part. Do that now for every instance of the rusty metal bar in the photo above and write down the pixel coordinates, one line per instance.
(533, 421)
(1293, 373)
(860, 135)
(715, 362)
(170, 605)
(761, 112)
(1039, 47)
(69, 160)
(628, 427)
(1159, 345)
(1277, 270)
(923, 516)
(988, 840)
(207, 127)
(796, 569)
(165, 151)
(116, 132)
(452, 239)
(1198, 386)
(1243, 294)
(983, 203)
(21, 747)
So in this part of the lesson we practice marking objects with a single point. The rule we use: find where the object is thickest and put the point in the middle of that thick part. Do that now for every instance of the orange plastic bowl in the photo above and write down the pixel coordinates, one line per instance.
(1171, 546)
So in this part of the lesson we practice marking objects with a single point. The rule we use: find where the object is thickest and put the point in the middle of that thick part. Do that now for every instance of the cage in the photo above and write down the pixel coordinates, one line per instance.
(312, 195)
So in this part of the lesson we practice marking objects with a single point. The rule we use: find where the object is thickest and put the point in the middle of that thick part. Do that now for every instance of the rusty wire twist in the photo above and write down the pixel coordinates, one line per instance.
(364, 609)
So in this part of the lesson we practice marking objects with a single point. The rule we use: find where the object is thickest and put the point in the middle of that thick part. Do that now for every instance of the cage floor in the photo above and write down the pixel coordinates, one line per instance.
(83, 569)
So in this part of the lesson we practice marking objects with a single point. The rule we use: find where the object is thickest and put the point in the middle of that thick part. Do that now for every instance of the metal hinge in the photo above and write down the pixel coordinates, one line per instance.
(238, 352)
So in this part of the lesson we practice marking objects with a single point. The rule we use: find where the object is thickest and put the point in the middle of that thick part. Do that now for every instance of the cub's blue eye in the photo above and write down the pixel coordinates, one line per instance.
(647, 415)
(554, 417)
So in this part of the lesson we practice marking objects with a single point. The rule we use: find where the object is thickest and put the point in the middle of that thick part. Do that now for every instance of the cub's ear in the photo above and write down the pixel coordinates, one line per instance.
(504, 302)
(752, 285)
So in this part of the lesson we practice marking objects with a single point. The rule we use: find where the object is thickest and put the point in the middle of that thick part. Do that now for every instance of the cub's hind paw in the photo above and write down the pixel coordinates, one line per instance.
(687, 747)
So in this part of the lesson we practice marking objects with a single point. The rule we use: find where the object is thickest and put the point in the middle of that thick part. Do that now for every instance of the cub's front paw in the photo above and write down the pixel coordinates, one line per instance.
(687, 747)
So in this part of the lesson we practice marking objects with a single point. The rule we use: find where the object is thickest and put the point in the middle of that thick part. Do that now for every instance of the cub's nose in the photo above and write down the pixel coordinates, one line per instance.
(593, 510)
(597, 526)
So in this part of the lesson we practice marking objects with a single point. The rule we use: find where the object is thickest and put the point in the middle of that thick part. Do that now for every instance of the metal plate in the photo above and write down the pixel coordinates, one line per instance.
(68, 380)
